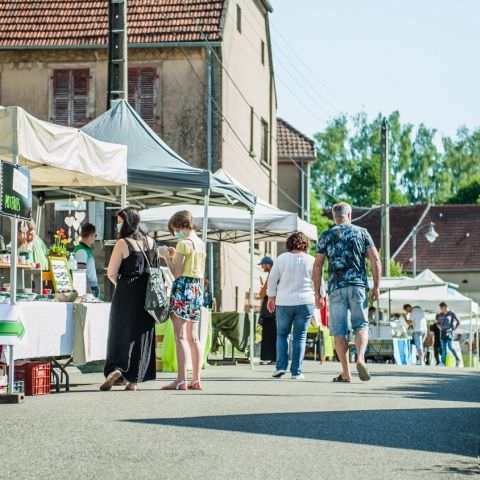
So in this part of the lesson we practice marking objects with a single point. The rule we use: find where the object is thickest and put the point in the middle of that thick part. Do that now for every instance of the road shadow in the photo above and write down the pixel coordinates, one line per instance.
(455, 387)
(442, 430)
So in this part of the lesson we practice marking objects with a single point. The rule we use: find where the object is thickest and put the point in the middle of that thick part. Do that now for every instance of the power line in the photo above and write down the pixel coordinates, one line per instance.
(222, 116)
(285, 55)
(298, 57)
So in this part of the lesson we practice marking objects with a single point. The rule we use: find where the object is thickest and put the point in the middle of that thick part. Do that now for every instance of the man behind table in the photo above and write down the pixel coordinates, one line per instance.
(83, 253)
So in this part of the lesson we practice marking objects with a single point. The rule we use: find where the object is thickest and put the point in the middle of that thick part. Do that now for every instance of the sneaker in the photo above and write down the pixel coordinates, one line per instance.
(300, 376)
(278, 373)
(457, 364)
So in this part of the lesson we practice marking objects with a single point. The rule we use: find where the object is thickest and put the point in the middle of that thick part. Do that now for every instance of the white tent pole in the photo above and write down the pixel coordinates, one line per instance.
(13, 288)
(251, 300)
(477, 340)
(470, 343)
(204, 238)
(123, 201)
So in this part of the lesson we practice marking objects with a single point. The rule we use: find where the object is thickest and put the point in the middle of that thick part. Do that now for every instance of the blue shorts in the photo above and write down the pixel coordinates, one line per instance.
(351, 299)
(419, 338)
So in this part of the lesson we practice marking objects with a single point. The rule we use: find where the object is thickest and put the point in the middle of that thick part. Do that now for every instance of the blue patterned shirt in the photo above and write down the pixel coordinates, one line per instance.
(345, 247)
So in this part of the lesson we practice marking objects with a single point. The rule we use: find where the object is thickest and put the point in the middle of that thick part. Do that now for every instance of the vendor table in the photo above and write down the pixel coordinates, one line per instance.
(55, 330)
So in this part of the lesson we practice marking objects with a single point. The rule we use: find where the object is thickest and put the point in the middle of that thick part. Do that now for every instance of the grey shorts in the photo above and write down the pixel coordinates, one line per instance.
(351, 299)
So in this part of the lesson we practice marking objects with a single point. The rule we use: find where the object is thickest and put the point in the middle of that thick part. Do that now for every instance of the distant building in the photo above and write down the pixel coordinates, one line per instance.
(296, 153)
(53, 63)
(454, 256)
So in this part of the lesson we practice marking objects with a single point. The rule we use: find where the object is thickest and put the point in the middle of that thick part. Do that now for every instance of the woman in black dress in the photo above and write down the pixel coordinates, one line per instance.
(131, 336)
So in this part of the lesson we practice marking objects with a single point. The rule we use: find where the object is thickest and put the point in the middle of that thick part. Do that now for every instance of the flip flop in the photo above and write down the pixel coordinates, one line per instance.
(340, 379)
(363, 372)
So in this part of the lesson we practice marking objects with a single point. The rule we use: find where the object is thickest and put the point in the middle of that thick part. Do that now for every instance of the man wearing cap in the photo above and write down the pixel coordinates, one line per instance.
(268, 352)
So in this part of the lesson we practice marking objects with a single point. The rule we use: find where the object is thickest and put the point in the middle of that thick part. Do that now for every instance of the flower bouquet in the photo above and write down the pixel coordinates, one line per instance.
(59, 248)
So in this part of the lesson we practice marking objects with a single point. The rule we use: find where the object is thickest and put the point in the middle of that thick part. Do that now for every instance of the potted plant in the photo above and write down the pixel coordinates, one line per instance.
(59, 248)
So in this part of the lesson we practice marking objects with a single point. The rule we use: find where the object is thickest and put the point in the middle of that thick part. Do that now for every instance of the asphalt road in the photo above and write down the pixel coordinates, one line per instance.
(406, 423)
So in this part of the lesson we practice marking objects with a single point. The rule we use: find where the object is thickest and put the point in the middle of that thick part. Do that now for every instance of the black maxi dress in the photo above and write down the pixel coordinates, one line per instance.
(131, 335)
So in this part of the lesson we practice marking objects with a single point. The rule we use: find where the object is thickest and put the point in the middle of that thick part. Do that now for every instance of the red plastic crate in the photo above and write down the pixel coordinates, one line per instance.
(36, 377)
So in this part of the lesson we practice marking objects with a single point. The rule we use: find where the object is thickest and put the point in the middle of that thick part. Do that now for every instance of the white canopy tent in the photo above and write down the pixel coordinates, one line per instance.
(234, 225)
(60, 158)
(429, 298)
(229, 224)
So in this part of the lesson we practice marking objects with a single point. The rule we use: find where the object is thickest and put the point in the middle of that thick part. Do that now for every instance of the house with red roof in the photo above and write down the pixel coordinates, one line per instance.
(295, 153)
(455, 253)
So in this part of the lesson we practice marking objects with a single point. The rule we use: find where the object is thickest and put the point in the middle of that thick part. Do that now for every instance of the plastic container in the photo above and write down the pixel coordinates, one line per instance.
(35, 376)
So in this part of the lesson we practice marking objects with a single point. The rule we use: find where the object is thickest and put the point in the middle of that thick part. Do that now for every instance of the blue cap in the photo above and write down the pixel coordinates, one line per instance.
(266, 261)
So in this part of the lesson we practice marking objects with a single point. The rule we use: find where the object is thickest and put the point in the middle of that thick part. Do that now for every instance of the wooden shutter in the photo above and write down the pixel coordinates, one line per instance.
(71, 93)
(61, 96)
(133, 74)
(141, 92)
(80, 96)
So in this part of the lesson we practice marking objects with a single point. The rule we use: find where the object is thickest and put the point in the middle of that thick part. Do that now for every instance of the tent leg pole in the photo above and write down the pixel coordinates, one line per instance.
(123, 200)
(477, 343)
(470, 343)
(204, 238)
(13, 293)
(251, 301)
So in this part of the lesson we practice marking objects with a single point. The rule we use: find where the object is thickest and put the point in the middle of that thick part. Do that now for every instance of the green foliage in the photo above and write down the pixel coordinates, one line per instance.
(467, 193)
(396, 269)
(348, 165)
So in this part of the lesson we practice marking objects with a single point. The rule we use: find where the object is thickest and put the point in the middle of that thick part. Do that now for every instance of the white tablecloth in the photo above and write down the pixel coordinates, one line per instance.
(53, 330)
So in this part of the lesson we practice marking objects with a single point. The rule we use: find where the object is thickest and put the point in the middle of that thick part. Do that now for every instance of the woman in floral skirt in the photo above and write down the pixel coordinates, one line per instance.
(187, 263)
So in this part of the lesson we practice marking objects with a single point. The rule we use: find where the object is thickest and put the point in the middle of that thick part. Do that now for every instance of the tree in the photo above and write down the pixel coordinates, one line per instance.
(348, 165)
(467, 193)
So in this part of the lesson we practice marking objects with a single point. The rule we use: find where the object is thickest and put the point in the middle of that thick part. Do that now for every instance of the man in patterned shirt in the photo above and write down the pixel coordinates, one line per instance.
(346, 247)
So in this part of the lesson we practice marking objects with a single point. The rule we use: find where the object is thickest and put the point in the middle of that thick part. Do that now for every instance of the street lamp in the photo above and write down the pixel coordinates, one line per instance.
(431, 236)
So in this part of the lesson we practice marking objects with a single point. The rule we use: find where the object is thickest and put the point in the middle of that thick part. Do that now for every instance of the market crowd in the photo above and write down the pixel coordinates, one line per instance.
(294, 288)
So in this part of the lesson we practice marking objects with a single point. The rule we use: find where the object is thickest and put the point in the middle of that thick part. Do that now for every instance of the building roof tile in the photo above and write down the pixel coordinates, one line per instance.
(292, 144)
(66, 23)
(457, 247)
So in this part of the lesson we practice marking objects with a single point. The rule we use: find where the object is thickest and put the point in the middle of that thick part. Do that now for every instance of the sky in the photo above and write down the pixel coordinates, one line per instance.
(421, 57)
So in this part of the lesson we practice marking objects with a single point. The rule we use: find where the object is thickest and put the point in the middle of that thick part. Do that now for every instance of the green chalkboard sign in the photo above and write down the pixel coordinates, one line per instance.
(15, 191)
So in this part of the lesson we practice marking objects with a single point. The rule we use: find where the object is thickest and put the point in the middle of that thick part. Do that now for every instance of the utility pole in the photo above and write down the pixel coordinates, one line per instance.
(117, 51)
(385, 199)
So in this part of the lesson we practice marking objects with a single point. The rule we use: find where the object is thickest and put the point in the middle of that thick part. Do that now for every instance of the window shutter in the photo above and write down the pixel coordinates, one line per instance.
(141, 92)
(80, 97)
(61, 88)
(133, 74)
(146, 95)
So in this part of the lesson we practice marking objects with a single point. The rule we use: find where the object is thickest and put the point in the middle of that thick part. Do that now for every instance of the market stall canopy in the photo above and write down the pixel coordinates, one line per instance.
(59, 156)
(150, 160)
(223, 183)
(231, 224)
(429, 298)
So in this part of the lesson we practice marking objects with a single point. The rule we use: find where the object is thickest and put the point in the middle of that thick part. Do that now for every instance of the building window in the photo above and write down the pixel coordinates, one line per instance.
(141, 92)
(252, 118)
(71, 96)
(239, 19)
(262, 52)
(264, 143)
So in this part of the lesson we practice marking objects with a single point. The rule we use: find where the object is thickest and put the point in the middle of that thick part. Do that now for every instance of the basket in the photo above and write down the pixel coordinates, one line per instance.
(35, 376)
(66, 297)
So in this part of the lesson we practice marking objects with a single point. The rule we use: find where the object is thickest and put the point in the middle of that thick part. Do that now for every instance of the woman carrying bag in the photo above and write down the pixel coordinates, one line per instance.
(131, 336)
(187, 263)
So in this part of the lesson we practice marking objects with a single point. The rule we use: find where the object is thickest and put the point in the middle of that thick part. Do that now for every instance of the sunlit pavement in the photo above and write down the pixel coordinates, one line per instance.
(406, 423)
